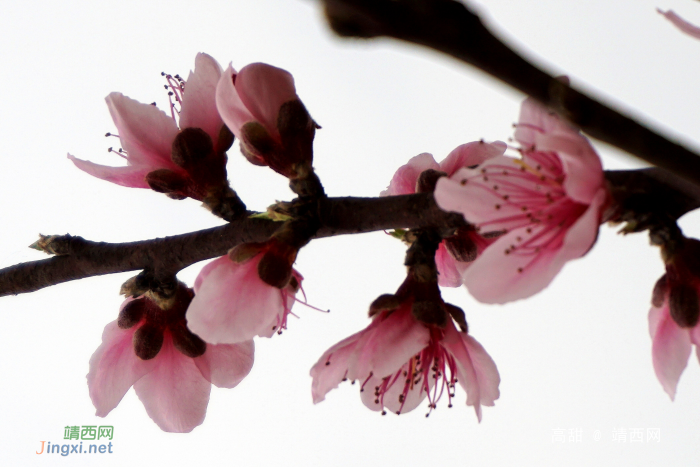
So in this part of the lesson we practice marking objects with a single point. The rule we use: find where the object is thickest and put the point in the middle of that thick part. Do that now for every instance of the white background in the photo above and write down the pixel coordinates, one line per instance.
(576, 356)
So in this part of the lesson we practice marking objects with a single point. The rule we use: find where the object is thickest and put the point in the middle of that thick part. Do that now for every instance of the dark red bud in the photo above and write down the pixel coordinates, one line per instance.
(148, 340)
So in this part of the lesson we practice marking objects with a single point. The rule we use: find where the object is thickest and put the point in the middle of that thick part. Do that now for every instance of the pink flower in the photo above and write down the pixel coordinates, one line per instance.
(154, 145)
(232, 304)
(455, 253)
(170, 369)
(400, 362)
(261, 107)
(680, 23)
(547, 206)
(674, 316)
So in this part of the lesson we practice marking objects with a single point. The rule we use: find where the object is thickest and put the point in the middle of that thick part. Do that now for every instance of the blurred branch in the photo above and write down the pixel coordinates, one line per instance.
(450, 27)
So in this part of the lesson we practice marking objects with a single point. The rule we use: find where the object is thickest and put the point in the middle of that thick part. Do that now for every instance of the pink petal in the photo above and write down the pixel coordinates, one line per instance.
(475, 199)
(232, 304)
(175, 394)
(405, 178)
(263, 89)
(670, 349)
(226, 365)
(681, 24)
(466, 374)
(486, 372)
(584, 171)
(497, 277)
(471, 154)
(448, 275)
(131, 176)
(389, 345)
(330, 370)
(114, 368)
(413, 397)
(228, 102)
(535, 120)
(146, 133)
(476, 371)
(199, 100)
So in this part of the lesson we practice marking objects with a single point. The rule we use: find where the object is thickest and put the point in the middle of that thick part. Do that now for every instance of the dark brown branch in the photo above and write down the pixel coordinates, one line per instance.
(81, 258)
(448, 26)
(641, 193)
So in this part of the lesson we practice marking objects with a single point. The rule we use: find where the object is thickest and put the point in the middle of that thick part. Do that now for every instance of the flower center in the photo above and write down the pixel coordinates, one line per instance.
(430, 373)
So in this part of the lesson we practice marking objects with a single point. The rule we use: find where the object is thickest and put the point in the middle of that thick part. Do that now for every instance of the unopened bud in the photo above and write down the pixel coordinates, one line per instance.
(148, 340)
(132, 313)
(684, 305)
(191, 146)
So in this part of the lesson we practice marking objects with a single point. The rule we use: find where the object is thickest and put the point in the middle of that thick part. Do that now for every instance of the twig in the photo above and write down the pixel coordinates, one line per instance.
(80, 258)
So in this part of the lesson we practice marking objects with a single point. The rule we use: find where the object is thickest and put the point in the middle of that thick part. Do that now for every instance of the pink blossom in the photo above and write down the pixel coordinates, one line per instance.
(546, 206)
(399, 362)
(680, 23)
(232, 304)
(147, 135)
(173, 385)
(404, 182)
(261, 107)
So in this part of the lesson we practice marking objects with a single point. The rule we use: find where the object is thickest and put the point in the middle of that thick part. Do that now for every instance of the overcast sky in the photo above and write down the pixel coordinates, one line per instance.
(576, 358)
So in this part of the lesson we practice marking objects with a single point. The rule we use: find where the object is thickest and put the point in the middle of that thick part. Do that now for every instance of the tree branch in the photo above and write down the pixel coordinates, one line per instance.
(450, 27)
(80, 258)
(642, 192)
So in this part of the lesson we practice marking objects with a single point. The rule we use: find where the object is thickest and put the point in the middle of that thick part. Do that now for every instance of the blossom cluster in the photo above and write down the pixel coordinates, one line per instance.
(528, 209)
